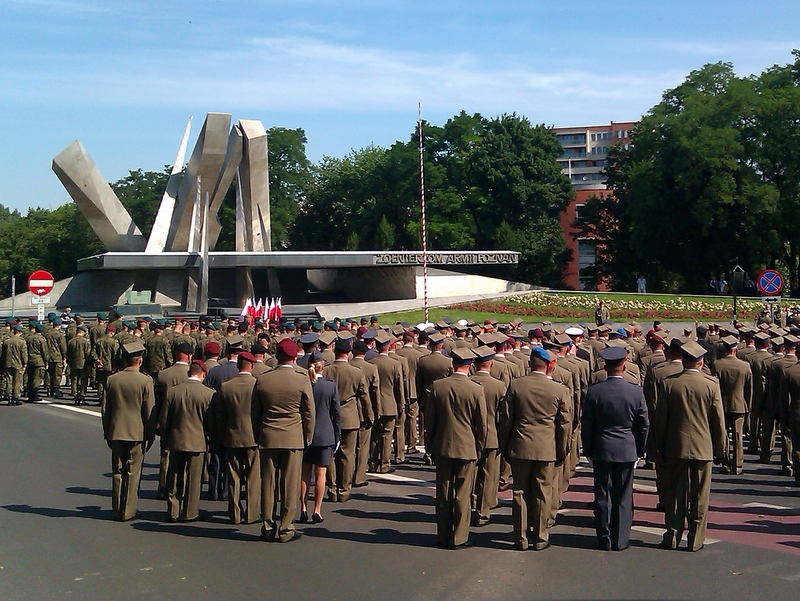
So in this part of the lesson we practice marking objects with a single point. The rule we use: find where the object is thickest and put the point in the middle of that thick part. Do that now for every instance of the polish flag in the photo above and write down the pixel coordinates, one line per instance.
(258, 312)
(278, 309)
(246, 310)
(271, 309)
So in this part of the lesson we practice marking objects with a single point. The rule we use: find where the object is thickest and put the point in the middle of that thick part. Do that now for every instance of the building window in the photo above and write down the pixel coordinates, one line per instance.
(586, 259)
(569, 139)
(579, 210)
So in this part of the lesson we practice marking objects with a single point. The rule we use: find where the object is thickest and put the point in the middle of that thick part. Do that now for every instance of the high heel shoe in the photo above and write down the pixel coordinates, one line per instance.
(304, 517)
(317, 518)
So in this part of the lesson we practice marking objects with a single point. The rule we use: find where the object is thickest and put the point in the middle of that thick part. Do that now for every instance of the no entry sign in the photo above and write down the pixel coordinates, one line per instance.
(769, 282)
(40, 282)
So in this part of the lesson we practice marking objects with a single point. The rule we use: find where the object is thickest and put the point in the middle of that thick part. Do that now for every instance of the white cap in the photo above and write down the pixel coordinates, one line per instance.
(574, 331)
(462, 322)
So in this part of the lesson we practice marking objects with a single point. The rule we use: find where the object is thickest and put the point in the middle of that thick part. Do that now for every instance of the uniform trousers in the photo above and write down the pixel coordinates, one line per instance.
(613, 510)
(217, 475)
(14, 382)
(381, 444)
(101, 376)
(686, 498)
(400, 437)
(55, 370)
(34, 381)
(163, 467)
(560, 485)
(281, 471)
(362, 455)
(126, 471)
(184, 480)
(79, 382)
(342, 468)
(734, 423)
(412, 434)
(768, 428)
(244, 469)
(454, 483)
(795, 428)
(487, 481)
(754, 432)
(533, 493)
(574, 454)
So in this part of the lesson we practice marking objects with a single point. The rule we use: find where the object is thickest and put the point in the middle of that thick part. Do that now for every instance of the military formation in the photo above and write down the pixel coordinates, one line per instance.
(491, 406)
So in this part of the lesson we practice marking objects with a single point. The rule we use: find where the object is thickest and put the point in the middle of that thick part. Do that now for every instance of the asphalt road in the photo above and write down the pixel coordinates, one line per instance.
(57, 539)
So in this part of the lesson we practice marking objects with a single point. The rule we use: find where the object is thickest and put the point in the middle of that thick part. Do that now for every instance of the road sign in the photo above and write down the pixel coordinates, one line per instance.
(40, 300)
(769, 282)
(41, 282)
(771, 300)
(40, 313)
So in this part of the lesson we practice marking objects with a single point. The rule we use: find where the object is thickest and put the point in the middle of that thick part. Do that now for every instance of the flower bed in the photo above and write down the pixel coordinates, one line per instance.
(581, 307)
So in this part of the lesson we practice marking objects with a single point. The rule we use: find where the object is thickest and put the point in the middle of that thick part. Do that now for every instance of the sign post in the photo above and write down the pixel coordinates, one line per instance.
(40, 283)
(770, 283)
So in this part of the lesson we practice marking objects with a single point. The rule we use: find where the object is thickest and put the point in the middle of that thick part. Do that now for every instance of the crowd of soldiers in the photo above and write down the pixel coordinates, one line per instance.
(492, 406)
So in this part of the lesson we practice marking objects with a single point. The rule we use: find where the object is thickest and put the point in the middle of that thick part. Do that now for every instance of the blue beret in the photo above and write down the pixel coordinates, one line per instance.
(540, 353)
(309, 338)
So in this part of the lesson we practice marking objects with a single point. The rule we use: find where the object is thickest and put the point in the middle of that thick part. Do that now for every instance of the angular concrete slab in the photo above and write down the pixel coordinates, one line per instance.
(91, 192)
(254, 173)
(206, 161)
(233, 156)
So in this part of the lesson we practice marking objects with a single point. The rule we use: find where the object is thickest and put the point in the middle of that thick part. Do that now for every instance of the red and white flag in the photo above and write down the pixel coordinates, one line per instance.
(245, 314)
(278, 309)
(271, 309)
(258, 311)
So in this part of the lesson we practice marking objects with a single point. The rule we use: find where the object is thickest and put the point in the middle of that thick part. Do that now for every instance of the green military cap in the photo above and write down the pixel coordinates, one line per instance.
(383, 337)
(442, 325)
(730, 341)
(435, 337)
(483, 353)
(462, 355)
(327, 337)
(345, 335)
(82, 329)
(39, 327)
(790, 340)
(777, 341)
(562, 339)
(398, 330)
(487, 339)
(762, 337)
(224, 314)
(18, 328)
(133, 349)
(234, 341)
(102, 315)
(475, 329)
(317, 326)
(692, 350)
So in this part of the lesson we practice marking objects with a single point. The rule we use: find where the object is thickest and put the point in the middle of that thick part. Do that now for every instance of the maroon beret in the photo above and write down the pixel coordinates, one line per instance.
(212, 348)
(288, 347)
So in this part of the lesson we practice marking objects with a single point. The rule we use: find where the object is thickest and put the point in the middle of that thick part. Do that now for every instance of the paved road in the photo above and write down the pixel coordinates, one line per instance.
(57, 540)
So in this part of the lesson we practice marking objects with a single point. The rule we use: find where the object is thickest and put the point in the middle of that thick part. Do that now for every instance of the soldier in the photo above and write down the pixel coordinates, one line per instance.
(736, 388)
(259, 352)
(777, 403)
(455, 437)
(166, 379)
(371, 380)
(614, 431)
(655, 376)
(601, 314)
(430, 368)
(535, 434)
(183, 425)
(487, 481)
(56, 356)
(79, 352)
(392, 402)
(400, 422)
(759, 362)
(283, 412)
(15, 357)
(128, 421)
(106, 358)
(37, 360)
(355, 409)
(211, 354)
(412, 357)
(158, 353)
(233, 416)
(689, 433)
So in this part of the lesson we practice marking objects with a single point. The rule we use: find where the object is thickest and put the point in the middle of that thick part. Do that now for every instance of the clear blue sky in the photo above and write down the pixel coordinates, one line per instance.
(124, 76)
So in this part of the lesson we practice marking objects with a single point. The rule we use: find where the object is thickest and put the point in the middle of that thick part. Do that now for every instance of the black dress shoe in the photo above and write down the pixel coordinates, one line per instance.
(303, 517)
(317, 518)
(546, 546)
(297, 535)
(464, 545)
(361, 484)
(620, 548)
(391, 470)
(604, 546)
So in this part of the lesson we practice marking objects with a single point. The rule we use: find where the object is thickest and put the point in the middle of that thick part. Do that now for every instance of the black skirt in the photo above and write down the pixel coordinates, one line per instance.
(318, 455)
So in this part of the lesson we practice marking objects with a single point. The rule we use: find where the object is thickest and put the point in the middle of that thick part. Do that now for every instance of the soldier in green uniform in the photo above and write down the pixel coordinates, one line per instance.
(5, 334)
(56, 355)
(79, 353)
(37, 360)
(106, 356)
(15, 357)
(158, 353)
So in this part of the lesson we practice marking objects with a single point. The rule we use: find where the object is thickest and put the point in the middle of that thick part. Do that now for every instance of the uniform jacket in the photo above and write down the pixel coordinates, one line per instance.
(355, 406)
(493, 391)
(689, 422)
(158, 354)
(536, 420)
(372, 382)
(327, 424)
(79, 352)
(735, 384)
(614, 423)
(183, 422)
(233, 412)
(128, 407)
(37, 350)
(758, 365)
(56, 345)
(283, 409)
(412, 356)
(392, 388)
(455, 418)
(430, 368)
(15, 352)
(169, 377)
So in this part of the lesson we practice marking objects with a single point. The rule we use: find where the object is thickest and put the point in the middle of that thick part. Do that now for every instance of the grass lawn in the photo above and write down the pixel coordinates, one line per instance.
(436, 314)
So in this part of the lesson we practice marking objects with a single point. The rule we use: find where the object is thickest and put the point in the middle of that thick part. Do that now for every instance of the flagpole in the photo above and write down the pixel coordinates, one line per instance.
(422, 211)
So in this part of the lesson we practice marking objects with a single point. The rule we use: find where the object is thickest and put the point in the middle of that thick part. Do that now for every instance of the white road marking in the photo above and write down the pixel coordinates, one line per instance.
(69, 408)
(403, 479)
(660, 532)
(644, 487)
(765, 506)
